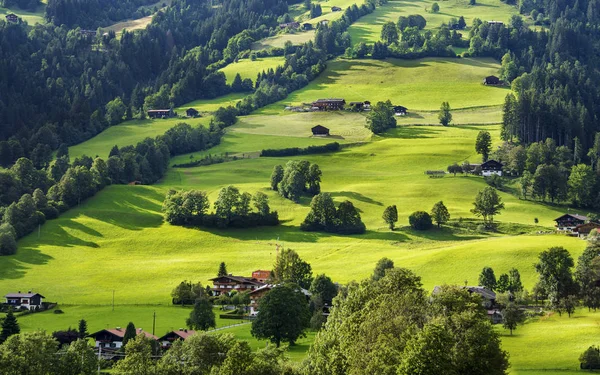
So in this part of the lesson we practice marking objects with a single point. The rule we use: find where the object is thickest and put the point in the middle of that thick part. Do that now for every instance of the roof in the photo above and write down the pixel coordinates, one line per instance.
(120, 332)
(182, 333)
(240, 279)
(493, 77)
(576, 216)
(353, 103)
(491, 164)
(22, 295)
(192, 109)
(319, 127)
(271, 286)
(330, 100)
(484, 292)
(159, 110)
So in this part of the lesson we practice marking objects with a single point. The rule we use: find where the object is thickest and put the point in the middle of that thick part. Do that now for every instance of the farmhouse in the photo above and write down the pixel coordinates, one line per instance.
(494, 316)
(583, 230)
(307, 26)
(257, 294)
(491, 80)
(13, 18)
(329, 104)
(357, 106)
(336, 9)
(320, 131)
(495, 22)
(229, 283)
(192, 112)
(568, 222)
(113, 338)
(488, 296)
(161, 113)
(27, 300)
(181, 334)
(400, 110)
(261, 275)
(491, 167)
(291, 25)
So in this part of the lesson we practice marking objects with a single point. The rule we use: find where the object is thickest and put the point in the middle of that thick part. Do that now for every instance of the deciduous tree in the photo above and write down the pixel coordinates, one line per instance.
(445, 116)
(440, 213)
(390, 216)
(487, 204)
(202, 316)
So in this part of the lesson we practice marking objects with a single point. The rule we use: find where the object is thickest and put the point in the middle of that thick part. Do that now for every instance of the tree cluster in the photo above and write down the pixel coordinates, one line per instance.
(296, 178)
(324, 216)
(91, 14)
(232, 209)
(381, 117)
(510, 282)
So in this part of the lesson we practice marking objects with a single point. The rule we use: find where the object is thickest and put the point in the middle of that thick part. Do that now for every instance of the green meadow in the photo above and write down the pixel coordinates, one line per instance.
(421, 84)
(30, 17)
(368, 28)
(296, 37)
(250, 69)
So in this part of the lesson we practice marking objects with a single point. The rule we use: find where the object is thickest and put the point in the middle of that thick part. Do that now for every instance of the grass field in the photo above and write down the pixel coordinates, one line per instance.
(30, 17)
(136, 24)
(298, 37)
(416, 84)
(250, 69)
(211, 105)
(128, 133)
(368, 28)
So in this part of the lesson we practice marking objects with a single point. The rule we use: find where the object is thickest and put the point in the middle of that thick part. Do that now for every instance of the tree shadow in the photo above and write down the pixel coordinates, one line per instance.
(411, 132)
(15, 266)
(355, 196)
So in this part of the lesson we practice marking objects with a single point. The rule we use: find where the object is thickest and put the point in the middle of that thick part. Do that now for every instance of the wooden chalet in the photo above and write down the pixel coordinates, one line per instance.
(495, 316)
(192, 112)
(360, 106)
(12, 18)
(336, 9)
(112, 338)
(583, 230)
(320, 131)
(491, 80)
(307, 26)
(400, 110)
(495, 22)
(491, 167)
(229, 283)
(181, 334)
(568, 222)
(161, 113)
(290, 25)
(28, 300)
(329, 104)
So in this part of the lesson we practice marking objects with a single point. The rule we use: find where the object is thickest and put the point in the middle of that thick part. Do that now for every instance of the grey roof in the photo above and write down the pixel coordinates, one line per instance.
(271, 286)
(576, 216)
(484, 292)
(22, 295)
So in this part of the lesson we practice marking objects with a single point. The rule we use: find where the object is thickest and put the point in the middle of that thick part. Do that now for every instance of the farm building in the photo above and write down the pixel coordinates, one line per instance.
(181, 334)
(495, 22)
(336, 9)
(27, 300)
(13, 18)
(583, 230)
(568, 222)
(495, 316)
(229, 283)
(324, 22)
(307, 26)
(329, 104)
(491, 167)
(291, 25)
(112, 338)
(192, 112)
(400, 110)
(161, 113)
(320, 131)
(357, 105)
(491, 80)
(488, 296)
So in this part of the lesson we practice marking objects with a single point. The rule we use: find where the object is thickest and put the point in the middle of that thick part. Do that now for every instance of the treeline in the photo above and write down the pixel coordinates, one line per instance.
(232, 209)
(292, 151)
(31, 196)
(59, 85)
(91, 14)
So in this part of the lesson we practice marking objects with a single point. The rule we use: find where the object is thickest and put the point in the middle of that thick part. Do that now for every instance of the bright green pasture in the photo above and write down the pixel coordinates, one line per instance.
(297, 37)
(462, 116)
(118, 240)
(421, 84)
(551, 344)
(211, 105)
(250, 69)
(129, 133)
(368, 28)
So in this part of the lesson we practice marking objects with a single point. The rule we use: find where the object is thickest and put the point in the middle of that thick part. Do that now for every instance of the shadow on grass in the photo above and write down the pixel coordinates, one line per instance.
(355, 196)
(15, 266)
(440, 234)
(406, 132)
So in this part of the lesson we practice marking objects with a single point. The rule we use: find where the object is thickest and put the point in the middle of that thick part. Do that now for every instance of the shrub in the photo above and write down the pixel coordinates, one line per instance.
(420, 220)
(58, 311)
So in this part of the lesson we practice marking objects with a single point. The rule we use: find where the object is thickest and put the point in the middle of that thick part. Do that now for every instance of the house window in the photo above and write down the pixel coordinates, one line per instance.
(113, 345)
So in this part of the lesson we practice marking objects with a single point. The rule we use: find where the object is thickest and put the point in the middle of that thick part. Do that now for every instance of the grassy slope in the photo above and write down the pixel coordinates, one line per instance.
(30, 17)
(416, 84)
(249, 69)
(368, 28)
(297, 37)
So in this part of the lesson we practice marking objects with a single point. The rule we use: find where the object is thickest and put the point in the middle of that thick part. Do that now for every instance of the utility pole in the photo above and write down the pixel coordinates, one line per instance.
(113, 303)
(154, 322)
(99, 356)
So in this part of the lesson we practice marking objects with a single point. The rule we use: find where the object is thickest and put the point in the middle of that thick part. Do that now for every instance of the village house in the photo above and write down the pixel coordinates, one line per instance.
(291, 25)
(583, 230)
(329, 104)
(261, 275)
(112, 338)
(161, 113)
(12, 18)
(495, 316)
(229, 283)
(192, 112)
(568, 222)
(491, 167)
(400, 110)
(495, 22)
(320, 131)
(181, 334)
(336, 9)
(307, 26)
(28, 300)
(491, 80)
(488, 297)
(257, 294)
(357, 106)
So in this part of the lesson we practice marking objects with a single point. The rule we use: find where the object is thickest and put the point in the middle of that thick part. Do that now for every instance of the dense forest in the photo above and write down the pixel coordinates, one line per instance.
(90, 14)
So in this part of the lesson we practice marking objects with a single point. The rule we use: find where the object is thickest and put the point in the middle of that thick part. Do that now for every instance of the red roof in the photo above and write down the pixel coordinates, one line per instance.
(120, 332)
(183, 334)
